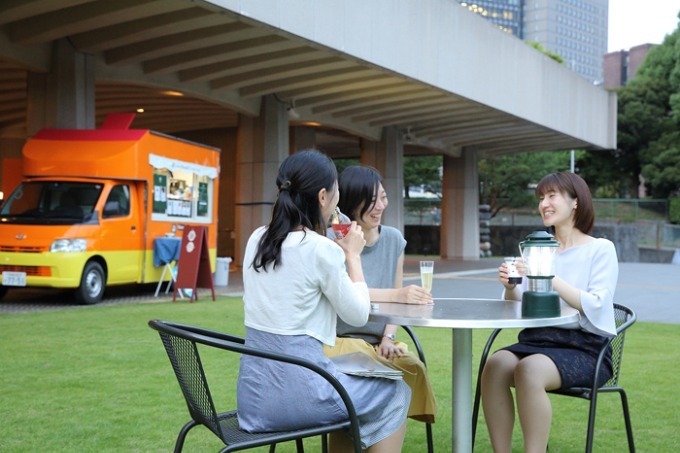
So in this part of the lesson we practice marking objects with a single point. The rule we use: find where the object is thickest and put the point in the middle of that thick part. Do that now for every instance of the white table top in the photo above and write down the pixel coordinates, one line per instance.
(466, 314)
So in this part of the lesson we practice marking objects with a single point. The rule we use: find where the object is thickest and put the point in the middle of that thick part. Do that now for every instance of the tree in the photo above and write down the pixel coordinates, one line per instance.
(649, 118)
(423, 171)
(507, 181)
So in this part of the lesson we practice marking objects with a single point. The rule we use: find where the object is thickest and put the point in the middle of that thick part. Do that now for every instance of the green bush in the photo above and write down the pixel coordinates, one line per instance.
(674, 210)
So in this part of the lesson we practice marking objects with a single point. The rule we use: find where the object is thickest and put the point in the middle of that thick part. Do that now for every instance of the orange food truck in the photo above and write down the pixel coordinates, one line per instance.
(92, 203)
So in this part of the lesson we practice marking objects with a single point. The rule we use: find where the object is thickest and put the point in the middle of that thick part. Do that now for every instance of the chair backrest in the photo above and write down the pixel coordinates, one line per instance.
(186, 362)
(181, 343)
(624, 317)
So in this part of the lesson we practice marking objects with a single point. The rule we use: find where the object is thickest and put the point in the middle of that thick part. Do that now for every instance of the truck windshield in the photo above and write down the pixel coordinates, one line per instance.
(51, 202)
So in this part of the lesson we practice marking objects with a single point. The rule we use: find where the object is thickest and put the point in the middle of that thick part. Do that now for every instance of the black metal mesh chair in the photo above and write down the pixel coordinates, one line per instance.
(180, 342)
(421, 356)
(625, 317)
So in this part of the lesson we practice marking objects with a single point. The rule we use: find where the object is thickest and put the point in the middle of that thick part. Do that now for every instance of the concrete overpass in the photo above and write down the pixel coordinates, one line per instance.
(369, 79)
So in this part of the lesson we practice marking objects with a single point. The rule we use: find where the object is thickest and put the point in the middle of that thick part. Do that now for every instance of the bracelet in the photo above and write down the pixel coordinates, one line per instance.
(391, 336)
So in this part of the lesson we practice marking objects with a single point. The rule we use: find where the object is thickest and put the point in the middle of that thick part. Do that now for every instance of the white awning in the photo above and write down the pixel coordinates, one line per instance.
(174, 164)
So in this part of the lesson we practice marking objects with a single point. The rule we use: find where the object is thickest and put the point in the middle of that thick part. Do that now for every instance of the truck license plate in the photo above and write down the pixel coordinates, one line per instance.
(13, 278)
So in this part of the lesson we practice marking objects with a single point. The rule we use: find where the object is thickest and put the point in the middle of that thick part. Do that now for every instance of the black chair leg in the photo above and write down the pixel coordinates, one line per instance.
(591, 422)
(179, 444)
(324, 443)
(475, 415)
(300, 447)
(626, 417)
(428, 432)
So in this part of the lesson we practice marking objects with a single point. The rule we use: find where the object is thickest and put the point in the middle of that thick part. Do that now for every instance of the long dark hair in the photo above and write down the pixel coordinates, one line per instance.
(358, 187)
(301, 177)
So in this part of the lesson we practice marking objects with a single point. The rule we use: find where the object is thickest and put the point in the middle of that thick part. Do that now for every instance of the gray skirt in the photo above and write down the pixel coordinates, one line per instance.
(273, 396)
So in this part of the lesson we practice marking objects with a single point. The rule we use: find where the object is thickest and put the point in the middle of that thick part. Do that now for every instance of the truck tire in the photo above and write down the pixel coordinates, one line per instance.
(92, 284)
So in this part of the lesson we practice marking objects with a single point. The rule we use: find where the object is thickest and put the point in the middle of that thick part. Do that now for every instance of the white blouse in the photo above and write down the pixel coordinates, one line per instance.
(307, 290)
(594, 269)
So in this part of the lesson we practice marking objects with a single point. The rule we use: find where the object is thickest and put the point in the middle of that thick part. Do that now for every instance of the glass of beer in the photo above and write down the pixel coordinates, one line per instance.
(426, 270)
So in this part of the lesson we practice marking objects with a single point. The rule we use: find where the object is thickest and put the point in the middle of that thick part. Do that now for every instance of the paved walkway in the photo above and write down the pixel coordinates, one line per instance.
(652, 290)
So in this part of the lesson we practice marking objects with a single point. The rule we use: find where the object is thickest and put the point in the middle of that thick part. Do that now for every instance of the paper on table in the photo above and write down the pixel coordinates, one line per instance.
(360, 364)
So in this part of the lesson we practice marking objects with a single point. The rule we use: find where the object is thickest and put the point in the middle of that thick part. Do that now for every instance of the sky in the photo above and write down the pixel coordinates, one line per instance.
(633, 22)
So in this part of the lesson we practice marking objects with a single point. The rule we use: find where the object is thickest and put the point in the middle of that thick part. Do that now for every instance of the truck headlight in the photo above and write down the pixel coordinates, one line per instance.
(68, 245)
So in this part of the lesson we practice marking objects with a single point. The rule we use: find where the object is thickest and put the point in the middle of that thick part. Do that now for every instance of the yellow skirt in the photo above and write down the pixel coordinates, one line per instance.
(423, 404)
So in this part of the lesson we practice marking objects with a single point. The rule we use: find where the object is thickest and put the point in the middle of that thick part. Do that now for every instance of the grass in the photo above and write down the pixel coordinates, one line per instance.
(97, 379)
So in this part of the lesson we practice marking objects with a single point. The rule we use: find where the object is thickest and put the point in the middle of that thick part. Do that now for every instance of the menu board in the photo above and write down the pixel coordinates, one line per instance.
(160, 193)
(202, 207)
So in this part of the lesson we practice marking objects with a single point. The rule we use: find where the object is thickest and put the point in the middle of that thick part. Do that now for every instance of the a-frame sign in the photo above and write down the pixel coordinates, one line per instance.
(193, 267)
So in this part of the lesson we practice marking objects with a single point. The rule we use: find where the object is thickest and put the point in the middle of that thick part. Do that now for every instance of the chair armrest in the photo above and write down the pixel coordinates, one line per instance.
(416, 342)
(200, 331)
(237, 344)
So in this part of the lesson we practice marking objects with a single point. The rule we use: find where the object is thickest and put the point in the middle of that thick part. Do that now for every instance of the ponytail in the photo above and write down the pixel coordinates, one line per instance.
(301, 177)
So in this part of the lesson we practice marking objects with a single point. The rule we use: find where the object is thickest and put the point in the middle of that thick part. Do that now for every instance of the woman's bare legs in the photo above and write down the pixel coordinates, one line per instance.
(340, 442)
(534, 375)
(499, 408)
(391, 444)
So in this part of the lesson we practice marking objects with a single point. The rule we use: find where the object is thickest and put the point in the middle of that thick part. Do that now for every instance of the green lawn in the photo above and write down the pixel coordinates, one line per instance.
(97, 379)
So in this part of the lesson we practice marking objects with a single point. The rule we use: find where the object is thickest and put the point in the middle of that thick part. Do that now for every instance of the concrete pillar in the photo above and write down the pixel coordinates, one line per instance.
(387, 156)
(64, 98)
(369, 153)
(10, 165)
(261, 145)
(301, 138)
(460, 207)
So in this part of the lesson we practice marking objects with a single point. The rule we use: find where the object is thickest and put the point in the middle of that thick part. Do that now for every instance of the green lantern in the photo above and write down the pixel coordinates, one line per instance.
(538, 254)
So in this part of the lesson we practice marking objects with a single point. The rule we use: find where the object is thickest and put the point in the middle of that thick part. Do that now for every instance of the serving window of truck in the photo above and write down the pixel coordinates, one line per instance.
(182, 190)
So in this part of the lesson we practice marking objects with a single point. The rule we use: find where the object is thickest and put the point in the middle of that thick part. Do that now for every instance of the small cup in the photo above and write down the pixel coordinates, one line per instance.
(513, 275)
(426, 271)
(341, 229)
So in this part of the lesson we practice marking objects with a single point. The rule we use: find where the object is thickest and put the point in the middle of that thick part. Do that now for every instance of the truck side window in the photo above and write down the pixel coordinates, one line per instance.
(118, 202)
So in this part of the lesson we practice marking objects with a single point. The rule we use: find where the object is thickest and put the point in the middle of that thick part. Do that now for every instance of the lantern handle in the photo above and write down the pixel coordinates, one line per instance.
(521, 250)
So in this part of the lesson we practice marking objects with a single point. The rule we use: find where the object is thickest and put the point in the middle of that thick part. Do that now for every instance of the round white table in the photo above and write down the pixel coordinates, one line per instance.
(461, 316)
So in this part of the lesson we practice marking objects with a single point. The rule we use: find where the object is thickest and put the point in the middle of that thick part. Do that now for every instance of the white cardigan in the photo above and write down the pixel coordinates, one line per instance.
(307, 290)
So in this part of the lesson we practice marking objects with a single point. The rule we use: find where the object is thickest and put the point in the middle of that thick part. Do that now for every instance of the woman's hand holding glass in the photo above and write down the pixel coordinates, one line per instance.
(413, 294)
(353, 242)
(504, 272)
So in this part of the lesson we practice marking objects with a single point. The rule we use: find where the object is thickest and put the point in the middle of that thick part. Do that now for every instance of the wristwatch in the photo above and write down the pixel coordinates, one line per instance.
(391, 336)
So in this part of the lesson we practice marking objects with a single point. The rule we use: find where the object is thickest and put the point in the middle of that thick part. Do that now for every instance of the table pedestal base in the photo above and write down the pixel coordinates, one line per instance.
(461, 407)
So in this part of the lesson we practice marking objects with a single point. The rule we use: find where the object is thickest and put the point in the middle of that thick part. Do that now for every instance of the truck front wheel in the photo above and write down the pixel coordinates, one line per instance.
(92, 284)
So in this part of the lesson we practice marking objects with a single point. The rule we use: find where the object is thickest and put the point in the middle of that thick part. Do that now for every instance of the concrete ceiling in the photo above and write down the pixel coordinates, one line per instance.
(224, 63)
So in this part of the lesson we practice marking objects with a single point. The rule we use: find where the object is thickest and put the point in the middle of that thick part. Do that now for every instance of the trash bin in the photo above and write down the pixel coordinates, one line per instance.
(221, 277)
(676, 257)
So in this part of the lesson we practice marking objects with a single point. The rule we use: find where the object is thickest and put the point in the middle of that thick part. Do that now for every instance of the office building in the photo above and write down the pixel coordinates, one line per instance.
(622, 65)
(574, 29)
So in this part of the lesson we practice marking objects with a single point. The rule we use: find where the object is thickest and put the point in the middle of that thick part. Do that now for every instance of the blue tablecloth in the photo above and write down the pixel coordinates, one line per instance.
(166, 250)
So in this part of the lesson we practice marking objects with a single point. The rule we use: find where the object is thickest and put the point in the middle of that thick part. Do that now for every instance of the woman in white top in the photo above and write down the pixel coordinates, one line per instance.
(295, 285)
(544, 359)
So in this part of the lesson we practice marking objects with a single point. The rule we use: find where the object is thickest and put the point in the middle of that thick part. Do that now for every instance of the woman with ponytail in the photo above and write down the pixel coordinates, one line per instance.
(296, 283)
